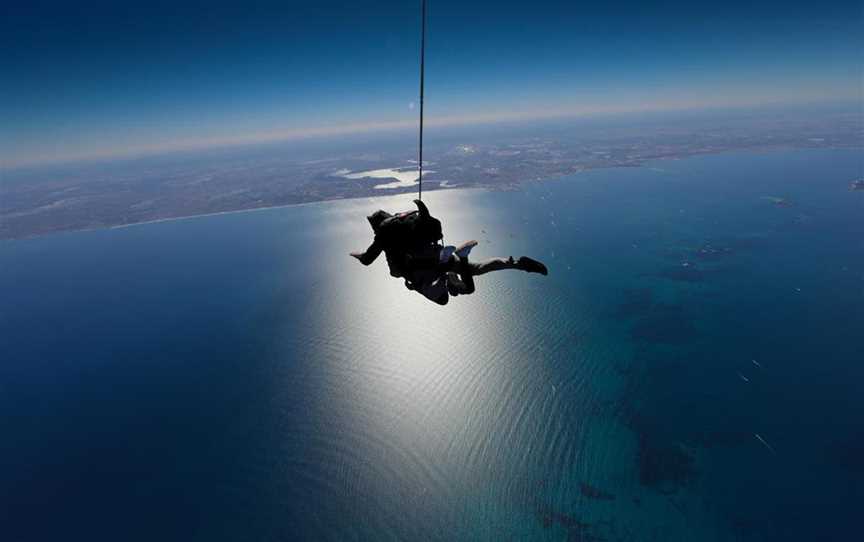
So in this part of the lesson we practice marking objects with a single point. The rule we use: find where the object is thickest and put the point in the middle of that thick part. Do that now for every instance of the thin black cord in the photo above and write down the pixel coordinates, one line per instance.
(422, 72)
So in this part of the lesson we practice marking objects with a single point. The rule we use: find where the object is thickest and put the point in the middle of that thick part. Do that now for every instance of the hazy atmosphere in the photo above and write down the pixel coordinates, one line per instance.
(102, 78)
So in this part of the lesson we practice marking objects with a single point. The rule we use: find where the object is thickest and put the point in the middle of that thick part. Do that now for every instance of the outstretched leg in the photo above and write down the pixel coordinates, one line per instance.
(497, 264)
(460, 271)
(464, 282)
(487, 266)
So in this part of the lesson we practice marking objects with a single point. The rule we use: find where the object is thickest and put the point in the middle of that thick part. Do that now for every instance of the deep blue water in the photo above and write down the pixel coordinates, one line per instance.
(239, 377)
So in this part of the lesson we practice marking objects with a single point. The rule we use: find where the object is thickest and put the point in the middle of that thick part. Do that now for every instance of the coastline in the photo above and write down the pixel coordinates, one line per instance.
(511, 186)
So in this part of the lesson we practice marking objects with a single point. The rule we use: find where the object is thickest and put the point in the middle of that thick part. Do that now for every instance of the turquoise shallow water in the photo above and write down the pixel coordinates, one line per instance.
(239, 377)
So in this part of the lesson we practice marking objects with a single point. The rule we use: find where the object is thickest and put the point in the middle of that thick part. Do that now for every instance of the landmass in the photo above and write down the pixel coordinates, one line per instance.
(39, 201)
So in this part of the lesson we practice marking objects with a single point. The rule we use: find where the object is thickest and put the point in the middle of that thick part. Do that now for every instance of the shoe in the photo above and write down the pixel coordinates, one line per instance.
(531, 266)
(463, 249)
(452, 289)
(446, 252)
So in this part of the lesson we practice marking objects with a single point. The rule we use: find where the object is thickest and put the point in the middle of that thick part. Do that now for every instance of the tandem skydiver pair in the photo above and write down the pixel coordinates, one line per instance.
(411, 243)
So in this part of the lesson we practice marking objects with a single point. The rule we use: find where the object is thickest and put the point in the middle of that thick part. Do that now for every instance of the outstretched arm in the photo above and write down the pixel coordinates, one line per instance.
(370, 254)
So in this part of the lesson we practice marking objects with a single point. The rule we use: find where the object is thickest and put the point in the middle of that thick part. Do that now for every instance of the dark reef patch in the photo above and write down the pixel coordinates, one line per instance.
(665, 467)
(637, 301)
(715, 249)
(577, 531)
(663, 463)
(594, 493)
(714, 439)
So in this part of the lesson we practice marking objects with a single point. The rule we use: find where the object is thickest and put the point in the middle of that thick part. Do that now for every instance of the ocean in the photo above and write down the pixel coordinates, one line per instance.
(691, 369)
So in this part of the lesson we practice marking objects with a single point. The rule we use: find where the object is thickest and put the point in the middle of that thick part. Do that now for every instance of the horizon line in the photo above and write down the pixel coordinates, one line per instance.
(315, 132)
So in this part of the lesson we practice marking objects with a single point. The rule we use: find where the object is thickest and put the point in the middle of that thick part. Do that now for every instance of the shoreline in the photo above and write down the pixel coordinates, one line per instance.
(235, 211)
(436, 189)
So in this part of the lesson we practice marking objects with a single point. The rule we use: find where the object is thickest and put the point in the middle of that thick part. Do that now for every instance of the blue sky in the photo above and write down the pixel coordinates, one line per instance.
(102, 78)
